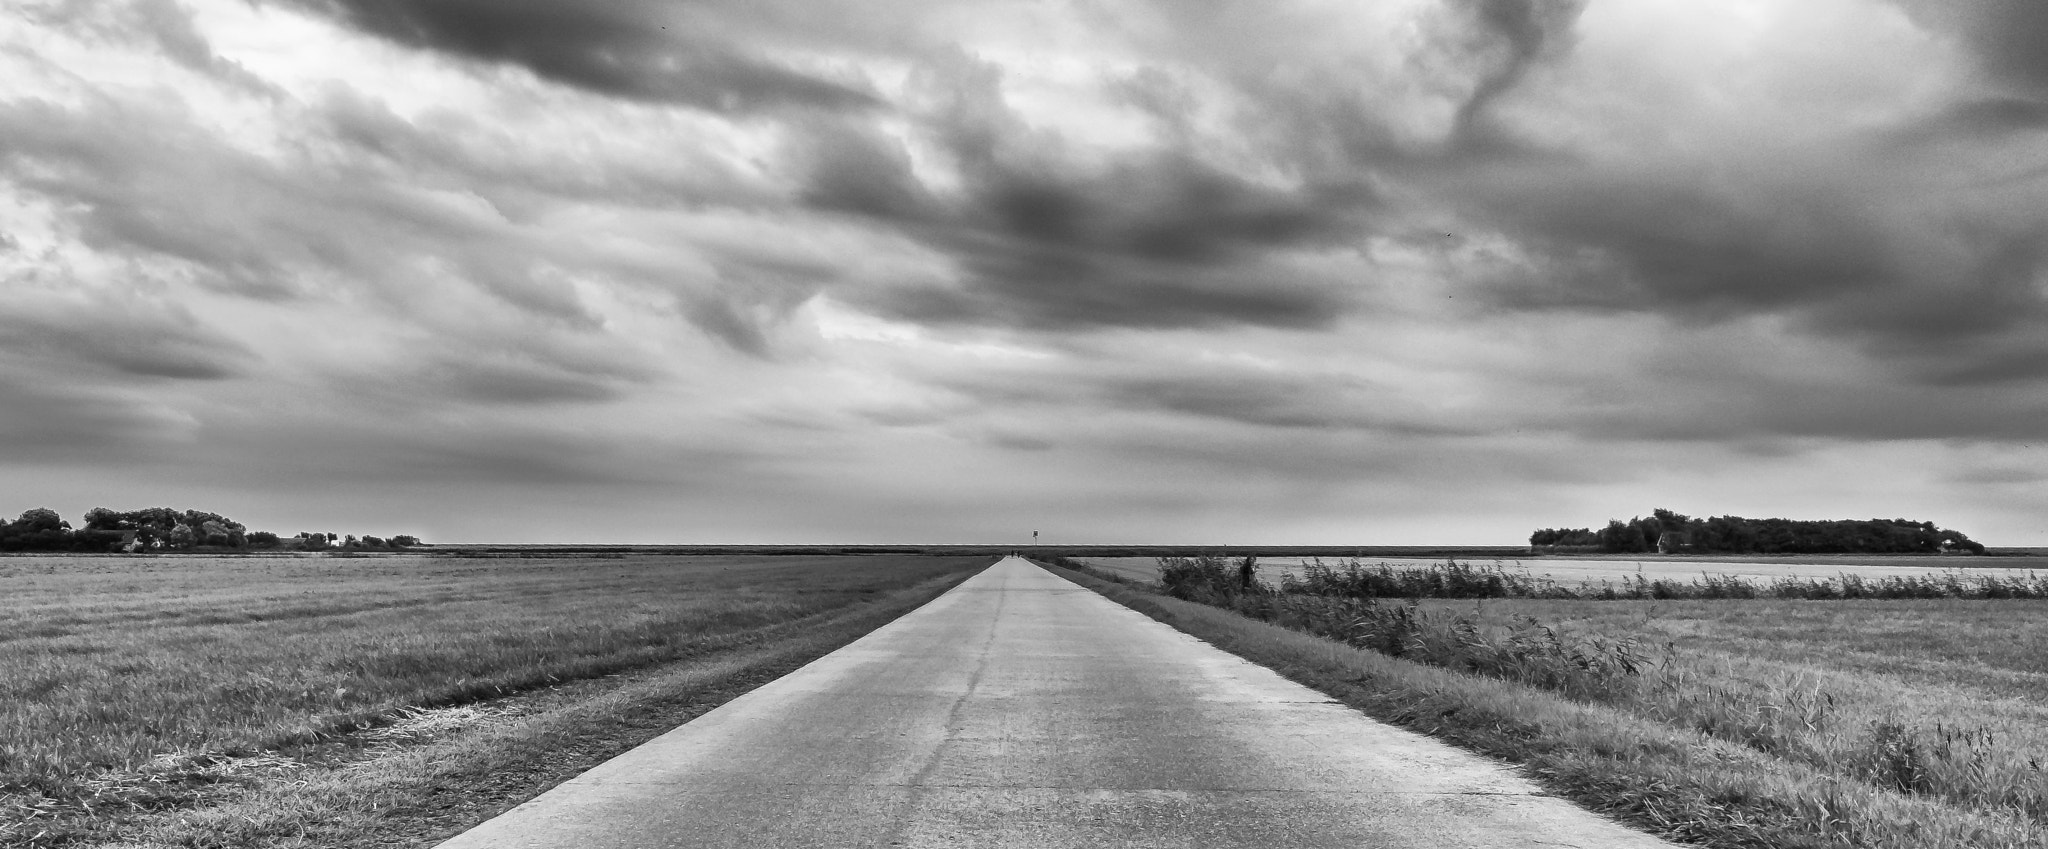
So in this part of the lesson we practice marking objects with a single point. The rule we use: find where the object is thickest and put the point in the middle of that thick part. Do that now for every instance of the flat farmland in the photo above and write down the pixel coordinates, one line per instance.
(1753, 722)
(1935, 709)
(124, 680)
(1594, 570)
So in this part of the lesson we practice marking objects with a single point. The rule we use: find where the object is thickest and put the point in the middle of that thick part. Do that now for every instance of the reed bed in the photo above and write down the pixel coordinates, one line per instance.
(1454, 579)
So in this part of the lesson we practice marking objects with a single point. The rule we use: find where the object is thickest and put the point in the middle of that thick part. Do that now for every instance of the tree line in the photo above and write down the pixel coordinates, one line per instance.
(166, 529)
(1672, 533)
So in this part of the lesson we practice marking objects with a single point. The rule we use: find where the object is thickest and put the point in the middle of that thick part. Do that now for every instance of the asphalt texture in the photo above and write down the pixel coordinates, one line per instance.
(1019, 710)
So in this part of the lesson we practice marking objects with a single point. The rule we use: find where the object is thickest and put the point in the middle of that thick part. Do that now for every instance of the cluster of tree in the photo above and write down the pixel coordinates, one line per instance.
(42, 529)
(1670, 532)
(164, 529)
(316, 541)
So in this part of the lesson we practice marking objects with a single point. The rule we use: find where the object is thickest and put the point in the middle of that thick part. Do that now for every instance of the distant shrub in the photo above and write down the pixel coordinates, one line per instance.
(1208, 579)
(1449, 579)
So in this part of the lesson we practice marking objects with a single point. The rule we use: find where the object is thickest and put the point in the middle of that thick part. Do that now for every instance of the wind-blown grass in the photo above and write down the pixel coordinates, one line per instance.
(125, 683)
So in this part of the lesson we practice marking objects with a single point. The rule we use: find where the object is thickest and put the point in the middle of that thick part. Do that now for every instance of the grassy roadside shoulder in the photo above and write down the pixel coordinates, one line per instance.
(1680, 784)
(419, 789)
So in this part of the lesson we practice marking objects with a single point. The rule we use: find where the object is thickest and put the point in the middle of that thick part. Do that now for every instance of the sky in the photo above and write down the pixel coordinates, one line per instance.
(931, 271)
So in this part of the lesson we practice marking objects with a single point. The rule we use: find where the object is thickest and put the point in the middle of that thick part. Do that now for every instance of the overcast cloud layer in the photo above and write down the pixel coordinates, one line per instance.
(1421, 271)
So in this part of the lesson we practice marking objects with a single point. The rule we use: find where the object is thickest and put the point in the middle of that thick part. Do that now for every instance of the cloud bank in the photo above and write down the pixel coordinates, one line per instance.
(1420, 271)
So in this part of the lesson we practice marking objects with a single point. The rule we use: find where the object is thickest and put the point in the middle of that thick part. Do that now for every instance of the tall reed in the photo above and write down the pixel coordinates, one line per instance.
(1453, 579)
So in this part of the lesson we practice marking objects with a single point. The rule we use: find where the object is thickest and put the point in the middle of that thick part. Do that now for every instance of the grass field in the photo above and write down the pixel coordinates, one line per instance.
(1731, 723)
(135, 685)
(1943, 699)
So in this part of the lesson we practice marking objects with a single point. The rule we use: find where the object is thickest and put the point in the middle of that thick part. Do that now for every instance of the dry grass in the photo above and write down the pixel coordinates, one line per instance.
(1756, 723)
(134, 685)
(1943, 699)
(445, 778)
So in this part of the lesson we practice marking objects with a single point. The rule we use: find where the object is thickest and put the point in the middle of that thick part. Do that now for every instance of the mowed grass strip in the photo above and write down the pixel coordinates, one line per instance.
(1894, 724)
(123, 680)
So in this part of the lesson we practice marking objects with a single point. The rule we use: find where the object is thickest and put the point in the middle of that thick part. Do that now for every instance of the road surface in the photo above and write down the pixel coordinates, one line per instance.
(1019, 710)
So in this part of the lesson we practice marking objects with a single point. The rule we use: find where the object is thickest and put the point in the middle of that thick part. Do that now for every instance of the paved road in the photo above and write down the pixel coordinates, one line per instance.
(1019, 710)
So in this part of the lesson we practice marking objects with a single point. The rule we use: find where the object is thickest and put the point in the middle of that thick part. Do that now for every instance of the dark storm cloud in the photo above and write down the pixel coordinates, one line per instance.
(1997, 366)
(498, 456)
(1767, 410)
(141, 185)
(1996, 287)
(1153, 238)
(2006, 35)
(1975, 119)
(1036, 234)
(1265, 399)
(1159, 236)
(850, 166)
(1762, 383)
(46, 421)
(1018, 442)
(139, 180)
(1867, 235)
(1028, 286)
(520, 378)
(416, 444)
(137, 338)
(1357, 263)
(1918, 243)
(729, 324)
(1503, 39)
(522, 387)
(1661, 241)
(1936, 272)
(1998, 477)
(638, 49)
(1211, 392)
(755, 284)
(138, 185)
(1167, 208)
